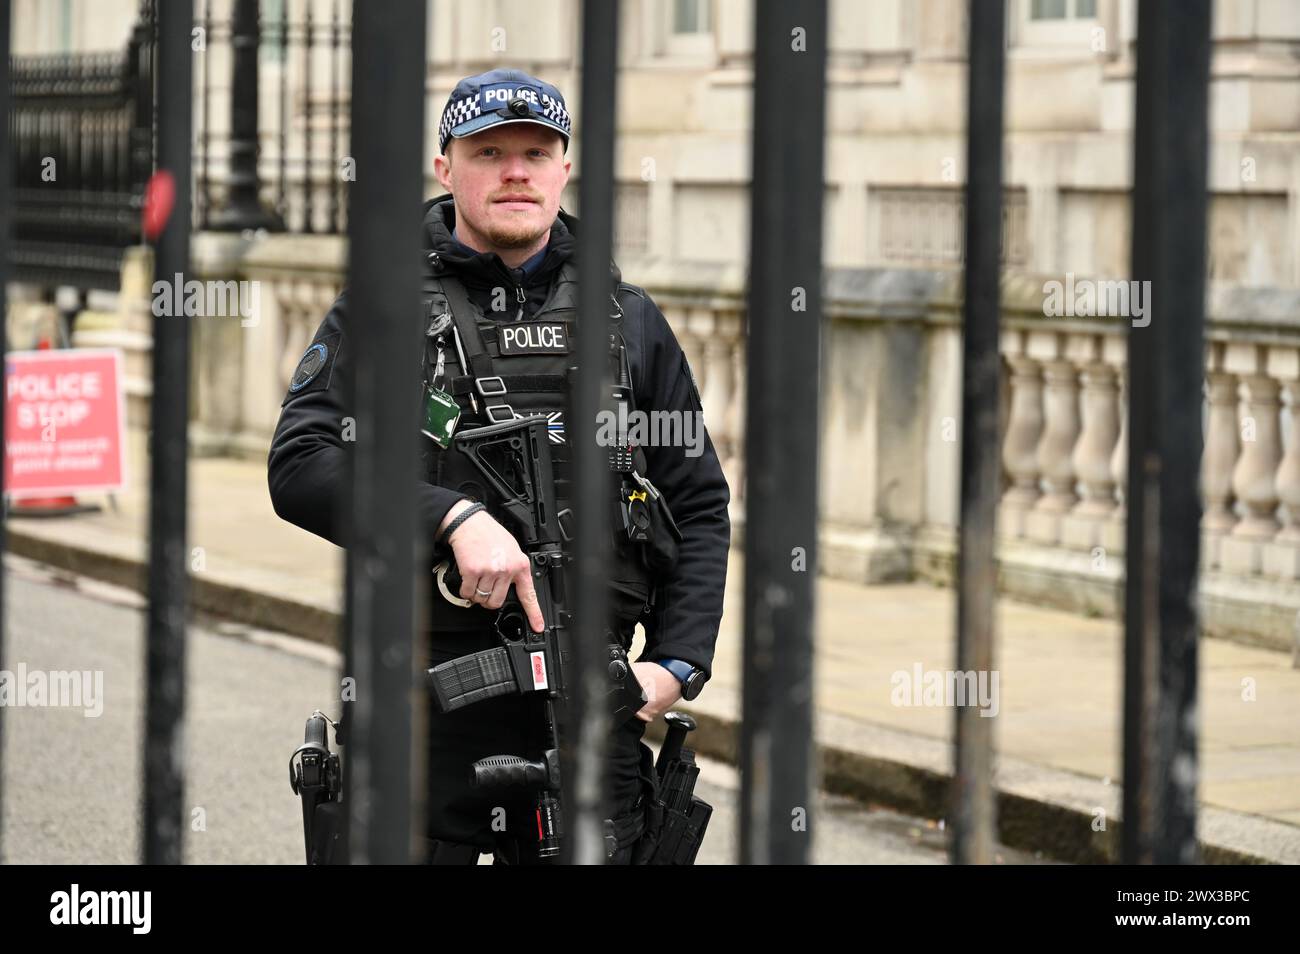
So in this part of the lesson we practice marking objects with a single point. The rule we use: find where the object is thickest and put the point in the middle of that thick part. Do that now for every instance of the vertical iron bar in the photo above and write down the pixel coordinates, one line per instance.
(69, 171)
(154, 79)
(586, 790)
(334, 179)
(122, 125)
(243, 207)
(282, 206)
(26, 137)
(104, 142)
(384, 250)
(39, 108)
(307, 31)
(973, 806)
(101, 145)
(84, 131)
(42, 117)
(784, 345)
(1166, 379)
(144, 64)
(76, 121)
(169, 407)
(6, 223)
(205, 178)
(92, 138)
(88, 174)
(347, 191)
(90, 151)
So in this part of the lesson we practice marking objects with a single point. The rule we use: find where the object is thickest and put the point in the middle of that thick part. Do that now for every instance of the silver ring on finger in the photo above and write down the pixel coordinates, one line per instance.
(481, 593)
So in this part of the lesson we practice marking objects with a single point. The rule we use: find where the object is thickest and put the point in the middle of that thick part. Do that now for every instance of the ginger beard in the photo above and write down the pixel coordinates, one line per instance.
(506, 225)
(508, 228)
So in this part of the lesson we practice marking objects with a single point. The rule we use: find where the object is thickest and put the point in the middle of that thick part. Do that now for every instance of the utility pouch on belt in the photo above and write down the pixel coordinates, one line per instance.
(655, 528)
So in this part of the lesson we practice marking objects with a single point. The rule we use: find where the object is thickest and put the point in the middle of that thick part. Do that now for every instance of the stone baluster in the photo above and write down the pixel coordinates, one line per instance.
(736, 422)
(261, 351)
(1254, 476)
(696, 324)
(1221, 449)
(295, 327)
(1282, 554)
(717, 384)
(724, 441)
(1061, 431)
(1095, 447)
(1024, 427)
(1115, 354)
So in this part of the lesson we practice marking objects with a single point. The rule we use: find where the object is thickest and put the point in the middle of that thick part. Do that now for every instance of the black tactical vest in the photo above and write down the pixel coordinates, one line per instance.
(534, 362)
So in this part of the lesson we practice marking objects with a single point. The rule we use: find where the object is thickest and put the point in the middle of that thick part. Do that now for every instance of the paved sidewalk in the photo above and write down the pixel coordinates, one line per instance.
(1058, 728)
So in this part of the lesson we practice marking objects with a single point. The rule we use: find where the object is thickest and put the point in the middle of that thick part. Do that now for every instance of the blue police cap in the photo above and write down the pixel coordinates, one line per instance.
(498, 97)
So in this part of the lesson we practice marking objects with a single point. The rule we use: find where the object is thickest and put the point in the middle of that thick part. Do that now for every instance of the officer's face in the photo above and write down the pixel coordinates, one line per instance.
(506, 182)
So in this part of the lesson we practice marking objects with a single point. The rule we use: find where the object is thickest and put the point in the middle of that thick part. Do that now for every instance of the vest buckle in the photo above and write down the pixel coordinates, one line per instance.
(498, 389)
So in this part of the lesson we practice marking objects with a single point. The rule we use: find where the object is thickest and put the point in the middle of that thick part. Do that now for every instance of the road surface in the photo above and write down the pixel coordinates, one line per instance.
(72, 777)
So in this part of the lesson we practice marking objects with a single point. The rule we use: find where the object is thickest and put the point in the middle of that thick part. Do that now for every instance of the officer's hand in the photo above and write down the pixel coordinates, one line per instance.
(489, 560)
(663, 690)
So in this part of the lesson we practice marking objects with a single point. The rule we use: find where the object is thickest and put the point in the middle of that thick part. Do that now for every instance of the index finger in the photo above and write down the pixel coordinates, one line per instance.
(528, 599)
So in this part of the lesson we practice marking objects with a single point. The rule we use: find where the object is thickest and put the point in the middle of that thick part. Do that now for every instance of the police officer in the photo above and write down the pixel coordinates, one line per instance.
(500, 261)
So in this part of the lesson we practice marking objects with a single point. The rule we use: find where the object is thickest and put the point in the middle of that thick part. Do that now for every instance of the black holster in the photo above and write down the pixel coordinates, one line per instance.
(676, 819)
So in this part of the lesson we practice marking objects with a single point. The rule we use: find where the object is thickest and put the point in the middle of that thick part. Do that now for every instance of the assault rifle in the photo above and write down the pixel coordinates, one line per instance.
(514, 458)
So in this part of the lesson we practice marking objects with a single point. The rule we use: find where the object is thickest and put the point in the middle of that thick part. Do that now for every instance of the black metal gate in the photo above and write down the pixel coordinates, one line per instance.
(777, 754)
(82, 139)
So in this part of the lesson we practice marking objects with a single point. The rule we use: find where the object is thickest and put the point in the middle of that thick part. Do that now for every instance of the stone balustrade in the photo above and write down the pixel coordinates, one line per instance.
(1063, 447)
(889, 467)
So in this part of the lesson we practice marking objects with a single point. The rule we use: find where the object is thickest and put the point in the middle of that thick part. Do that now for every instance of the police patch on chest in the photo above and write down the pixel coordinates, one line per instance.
(533, 337)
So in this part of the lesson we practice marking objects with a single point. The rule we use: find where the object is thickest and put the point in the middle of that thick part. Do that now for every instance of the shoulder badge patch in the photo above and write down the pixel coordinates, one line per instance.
(311, 364)
(315, 367)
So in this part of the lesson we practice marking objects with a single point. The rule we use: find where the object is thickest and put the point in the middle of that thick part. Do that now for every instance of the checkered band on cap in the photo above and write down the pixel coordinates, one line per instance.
(460, 111)
(554, 110)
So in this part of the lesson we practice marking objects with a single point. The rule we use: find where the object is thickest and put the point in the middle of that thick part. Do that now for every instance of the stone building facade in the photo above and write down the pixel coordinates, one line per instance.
(892, 247)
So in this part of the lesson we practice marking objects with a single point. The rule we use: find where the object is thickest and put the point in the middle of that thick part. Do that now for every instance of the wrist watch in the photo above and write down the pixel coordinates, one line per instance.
(692, 679)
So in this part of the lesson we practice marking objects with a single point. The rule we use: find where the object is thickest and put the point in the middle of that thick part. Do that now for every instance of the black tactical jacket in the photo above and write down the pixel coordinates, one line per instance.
(306, 462)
